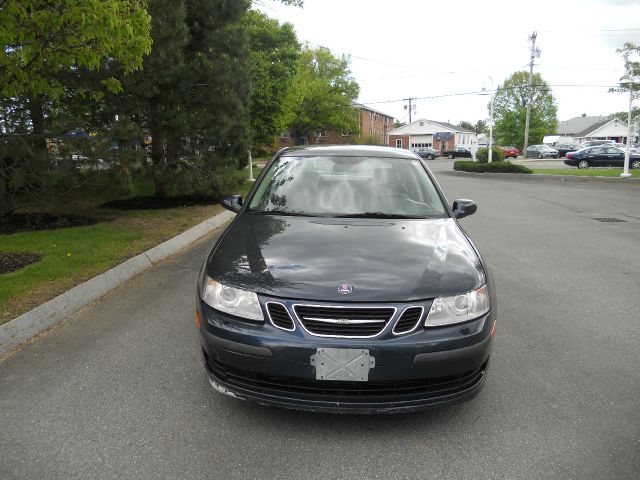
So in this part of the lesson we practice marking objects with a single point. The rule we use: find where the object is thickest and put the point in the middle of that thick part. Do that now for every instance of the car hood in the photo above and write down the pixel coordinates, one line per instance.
(383, 260)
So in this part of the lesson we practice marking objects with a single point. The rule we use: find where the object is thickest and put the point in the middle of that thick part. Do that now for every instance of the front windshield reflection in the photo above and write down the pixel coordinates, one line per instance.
(347, 186)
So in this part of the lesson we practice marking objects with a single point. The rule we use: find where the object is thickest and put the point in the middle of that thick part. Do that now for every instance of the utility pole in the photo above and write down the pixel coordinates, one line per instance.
(411, 107)
(534, 53)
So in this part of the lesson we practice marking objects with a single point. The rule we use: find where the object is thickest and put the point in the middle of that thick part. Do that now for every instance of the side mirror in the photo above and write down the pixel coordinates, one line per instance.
(233, 203)
(463, 208)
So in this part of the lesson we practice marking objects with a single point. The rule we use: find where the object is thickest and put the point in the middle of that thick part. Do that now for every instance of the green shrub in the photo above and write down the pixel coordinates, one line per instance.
(493, 167)
(483, 155)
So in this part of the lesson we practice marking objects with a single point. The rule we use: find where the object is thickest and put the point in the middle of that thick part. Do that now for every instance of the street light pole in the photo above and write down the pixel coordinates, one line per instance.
(490, 152)
(490, 157)
(627, 152)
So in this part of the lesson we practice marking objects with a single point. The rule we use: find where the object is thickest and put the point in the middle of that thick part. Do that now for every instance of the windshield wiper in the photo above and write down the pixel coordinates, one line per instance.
(281, 212)
(375, 215)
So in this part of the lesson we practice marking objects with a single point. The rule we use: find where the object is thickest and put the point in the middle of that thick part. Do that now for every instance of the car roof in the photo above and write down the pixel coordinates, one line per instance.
(348, 150)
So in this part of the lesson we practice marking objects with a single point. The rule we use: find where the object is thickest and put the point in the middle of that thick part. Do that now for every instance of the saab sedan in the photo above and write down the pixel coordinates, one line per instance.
(346, 284)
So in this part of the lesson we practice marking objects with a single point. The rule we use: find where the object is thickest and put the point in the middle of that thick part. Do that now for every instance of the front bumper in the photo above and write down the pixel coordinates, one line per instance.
(417, 370)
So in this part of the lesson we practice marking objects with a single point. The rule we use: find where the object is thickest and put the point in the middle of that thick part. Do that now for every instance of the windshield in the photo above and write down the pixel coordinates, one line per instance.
(348, 187)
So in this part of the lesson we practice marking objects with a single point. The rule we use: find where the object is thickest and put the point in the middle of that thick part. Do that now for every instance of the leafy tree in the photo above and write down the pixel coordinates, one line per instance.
(510, 110)
(467, 125)
(631, 55)
(274, 51)
(41, 38)
(623, 116)
(323, 93)
(481, 127)
(45, 42)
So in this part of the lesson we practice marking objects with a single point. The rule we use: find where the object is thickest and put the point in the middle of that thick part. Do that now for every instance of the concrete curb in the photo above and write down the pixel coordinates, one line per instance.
(50, 313)
(539, 177)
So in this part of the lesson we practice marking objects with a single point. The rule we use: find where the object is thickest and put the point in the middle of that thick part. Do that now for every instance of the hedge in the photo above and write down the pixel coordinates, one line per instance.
(493, 167)
(482, 155)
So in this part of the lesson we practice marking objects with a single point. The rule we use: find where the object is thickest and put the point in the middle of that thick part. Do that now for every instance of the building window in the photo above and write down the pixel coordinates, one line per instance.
(285, 134)
(321, 132)
(398, 143)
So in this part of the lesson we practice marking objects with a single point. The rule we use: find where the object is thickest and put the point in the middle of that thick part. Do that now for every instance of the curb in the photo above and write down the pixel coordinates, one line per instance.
(543, 177)
(50, 313)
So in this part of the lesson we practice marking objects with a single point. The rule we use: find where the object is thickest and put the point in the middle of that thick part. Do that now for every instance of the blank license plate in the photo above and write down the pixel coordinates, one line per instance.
(343, 364)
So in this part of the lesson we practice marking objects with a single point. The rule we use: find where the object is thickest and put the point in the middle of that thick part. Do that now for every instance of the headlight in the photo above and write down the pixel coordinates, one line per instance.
(233, 301)
(458, 308)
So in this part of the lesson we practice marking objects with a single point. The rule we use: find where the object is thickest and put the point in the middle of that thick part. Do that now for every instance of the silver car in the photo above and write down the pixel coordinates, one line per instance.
(541, 151)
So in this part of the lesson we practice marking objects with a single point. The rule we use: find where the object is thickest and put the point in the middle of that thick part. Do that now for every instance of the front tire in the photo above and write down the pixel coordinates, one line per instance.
(635, 164)
(583, 164)
(450, 157)
(430, 157)
(539, 156)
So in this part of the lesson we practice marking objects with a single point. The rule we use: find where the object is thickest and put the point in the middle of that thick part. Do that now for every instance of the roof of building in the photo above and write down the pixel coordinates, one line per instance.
(577, 125)
(415, 127)
(364, 107)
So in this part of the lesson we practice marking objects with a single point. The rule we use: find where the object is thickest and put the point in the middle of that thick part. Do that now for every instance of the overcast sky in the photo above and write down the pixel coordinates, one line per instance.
(421, 48)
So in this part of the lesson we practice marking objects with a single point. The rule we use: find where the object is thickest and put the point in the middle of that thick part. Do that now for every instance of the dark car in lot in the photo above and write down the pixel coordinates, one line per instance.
(600, 156)
(564, 148)
(541, 151)
(457, 152)
(427, 152)
(510, 152)
(346, 284)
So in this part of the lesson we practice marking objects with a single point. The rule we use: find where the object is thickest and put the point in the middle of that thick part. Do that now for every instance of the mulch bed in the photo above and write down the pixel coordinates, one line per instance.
(158, 203)
(27, 222)
(10, 262)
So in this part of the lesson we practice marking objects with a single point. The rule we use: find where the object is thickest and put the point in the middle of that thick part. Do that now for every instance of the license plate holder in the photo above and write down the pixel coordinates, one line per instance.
(343, 364)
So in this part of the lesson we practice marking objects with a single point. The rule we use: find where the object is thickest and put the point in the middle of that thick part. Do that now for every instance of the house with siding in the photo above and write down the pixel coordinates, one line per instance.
(430, 133)
(585, 128)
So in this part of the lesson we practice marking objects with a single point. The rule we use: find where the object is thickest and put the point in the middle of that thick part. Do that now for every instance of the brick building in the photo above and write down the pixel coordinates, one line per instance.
(428, 133)
(372, 124)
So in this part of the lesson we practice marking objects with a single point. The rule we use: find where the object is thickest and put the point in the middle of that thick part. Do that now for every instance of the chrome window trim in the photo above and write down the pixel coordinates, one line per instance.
(286, 310)
(389, 322)
(393, 331)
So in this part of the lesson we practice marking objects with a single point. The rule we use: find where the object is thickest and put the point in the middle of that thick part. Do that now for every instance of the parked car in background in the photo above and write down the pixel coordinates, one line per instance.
(595, 143)
(458, 152)
(510, 152)
(346, 284)
(541, 151)
(427, 152)
(565, 148)
(601, 156)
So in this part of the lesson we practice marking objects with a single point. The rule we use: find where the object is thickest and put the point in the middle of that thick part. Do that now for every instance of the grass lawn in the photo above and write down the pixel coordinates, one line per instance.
(73, 255)
(590, 172)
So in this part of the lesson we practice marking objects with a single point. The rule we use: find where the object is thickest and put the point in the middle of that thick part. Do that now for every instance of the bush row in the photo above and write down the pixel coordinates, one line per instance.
(493, 167)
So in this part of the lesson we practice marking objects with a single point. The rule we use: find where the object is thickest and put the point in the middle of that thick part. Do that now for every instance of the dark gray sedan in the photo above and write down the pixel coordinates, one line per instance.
(346, 284)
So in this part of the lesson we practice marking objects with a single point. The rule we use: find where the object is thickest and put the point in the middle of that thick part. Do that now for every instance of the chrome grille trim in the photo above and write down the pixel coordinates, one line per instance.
(288, 314)
(337, 321)
(402, 314)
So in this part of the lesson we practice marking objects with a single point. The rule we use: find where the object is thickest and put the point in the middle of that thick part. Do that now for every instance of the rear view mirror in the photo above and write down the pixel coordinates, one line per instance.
(233, 203)
(463, 208)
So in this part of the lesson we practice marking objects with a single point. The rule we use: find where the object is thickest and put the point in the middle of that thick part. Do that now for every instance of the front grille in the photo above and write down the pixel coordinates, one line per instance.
(279, 316)
(408, 320)
(381, 391)
(344, 321)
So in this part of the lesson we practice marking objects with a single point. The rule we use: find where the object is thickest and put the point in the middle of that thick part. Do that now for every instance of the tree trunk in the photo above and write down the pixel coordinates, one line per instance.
(36, 113)
(158, 161)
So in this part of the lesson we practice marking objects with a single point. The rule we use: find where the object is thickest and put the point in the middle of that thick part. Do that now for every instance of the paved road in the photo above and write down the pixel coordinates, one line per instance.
(118, 390)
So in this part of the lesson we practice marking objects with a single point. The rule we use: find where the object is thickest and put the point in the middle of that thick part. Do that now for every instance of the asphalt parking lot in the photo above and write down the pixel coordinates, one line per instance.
(118, 390)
